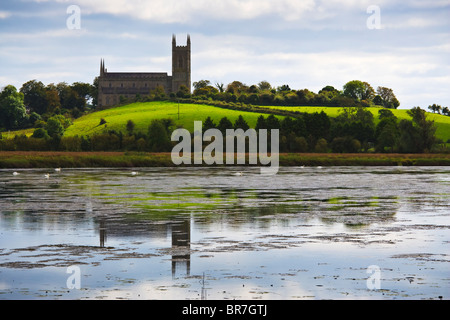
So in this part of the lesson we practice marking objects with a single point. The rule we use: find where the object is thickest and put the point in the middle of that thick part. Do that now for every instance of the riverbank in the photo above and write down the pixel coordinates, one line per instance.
(24, 159)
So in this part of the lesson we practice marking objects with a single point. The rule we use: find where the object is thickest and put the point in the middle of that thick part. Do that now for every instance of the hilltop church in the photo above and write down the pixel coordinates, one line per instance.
(113, 85)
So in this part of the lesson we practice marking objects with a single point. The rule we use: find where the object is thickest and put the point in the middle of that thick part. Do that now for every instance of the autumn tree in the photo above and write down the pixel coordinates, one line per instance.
(388, 98)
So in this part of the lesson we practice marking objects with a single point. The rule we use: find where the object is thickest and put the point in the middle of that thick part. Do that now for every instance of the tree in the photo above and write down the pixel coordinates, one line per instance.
(359, 90)
(240, 123)
(321, 146)
(84, 92)
(435, 107)
(201, 84)
(40, 133)
(284, 88)
(264, 86)
(52, 97)
(54, 127)
(35, 97)
(260, 123)
(345, 145)
(220, 87)
(183, 92)
(13, 114)
(426, 129)
(94, 92)
(272, 122)
(446, 111)
(237, 87)
(208, 124)
(388, 98)
(386, 132)
(130, 127)
(224, 124)
(159, 140)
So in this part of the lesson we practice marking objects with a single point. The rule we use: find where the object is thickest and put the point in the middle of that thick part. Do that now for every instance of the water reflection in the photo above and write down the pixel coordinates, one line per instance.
(188, 216)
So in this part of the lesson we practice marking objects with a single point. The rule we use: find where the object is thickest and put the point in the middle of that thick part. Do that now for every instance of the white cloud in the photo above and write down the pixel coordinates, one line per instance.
(4, 14)
(184, 11)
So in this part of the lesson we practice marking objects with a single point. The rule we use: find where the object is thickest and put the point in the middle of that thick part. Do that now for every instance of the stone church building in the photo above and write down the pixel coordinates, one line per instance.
(113, 85)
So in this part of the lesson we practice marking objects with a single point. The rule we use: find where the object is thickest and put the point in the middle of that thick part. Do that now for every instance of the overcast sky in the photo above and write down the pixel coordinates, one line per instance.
(400, 44)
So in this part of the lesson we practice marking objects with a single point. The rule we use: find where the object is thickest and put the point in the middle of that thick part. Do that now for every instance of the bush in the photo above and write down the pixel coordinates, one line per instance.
(298, 144)
(321, 146)
(40, 133)
(70, 143)
(345, 145)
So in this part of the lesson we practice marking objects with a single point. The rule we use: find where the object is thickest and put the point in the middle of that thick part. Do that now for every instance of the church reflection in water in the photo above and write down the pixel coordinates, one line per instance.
(181, 244)
(179, 229)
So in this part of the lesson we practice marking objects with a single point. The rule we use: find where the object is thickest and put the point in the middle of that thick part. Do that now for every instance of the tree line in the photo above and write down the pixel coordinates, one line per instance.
(50, 109)
(354, 93)
(353, 130)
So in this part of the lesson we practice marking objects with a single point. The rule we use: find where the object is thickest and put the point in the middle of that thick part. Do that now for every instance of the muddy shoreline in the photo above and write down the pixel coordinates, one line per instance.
(41, 159)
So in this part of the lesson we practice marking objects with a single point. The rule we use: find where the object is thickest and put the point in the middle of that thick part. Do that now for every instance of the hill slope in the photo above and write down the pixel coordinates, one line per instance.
(142, 113)
(442, 122)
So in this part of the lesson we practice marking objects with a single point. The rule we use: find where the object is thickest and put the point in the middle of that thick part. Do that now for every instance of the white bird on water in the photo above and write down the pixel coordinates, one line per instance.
(238, 173)
(134, 173)
(46, 176)
(15, 173)
(58, 169)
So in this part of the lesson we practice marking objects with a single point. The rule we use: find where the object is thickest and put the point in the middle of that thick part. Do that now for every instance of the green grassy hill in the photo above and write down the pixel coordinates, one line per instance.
(442, 122)
(142, 113)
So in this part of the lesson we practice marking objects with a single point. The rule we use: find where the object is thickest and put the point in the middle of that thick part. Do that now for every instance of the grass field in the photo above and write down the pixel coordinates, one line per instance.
(143, 113)
(442, 122)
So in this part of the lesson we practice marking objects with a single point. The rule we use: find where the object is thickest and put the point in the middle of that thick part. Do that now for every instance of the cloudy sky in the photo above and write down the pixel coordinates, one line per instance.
(400, 44)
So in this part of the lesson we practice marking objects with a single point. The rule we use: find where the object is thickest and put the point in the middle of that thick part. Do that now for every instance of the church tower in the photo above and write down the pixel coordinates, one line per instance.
(181, 65)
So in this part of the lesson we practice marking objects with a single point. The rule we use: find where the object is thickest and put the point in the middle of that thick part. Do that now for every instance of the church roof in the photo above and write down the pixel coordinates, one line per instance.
(135, 75)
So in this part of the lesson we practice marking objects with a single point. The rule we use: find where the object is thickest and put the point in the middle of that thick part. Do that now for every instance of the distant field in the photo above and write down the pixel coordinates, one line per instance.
(143, 113)
(442, 122)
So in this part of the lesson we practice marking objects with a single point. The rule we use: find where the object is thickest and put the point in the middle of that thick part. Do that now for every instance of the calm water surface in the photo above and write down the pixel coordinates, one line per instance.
(207, 233)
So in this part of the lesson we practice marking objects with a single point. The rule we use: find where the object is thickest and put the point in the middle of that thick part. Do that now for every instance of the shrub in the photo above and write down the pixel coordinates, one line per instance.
(40, 133)
(321, 146)
(345, 145)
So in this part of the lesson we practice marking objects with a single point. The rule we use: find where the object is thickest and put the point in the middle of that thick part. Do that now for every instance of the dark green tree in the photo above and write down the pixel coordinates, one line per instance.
(158, 138)
(426, 129)
(54, 127)
(260, 123)
(35, 96)
(13, 113)
(224, 124)
(208, 124)
(130, 127)
(241, 123)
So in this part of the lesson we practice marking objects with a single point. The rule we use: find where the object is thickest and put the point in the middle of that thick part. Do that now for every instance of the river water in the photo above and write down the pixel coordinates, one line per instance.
(209, 233)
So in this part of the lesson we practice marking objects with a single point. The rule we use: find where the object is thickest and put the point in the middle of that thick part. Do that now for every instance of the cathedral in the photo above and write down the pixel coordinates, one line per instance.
(114, 85)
